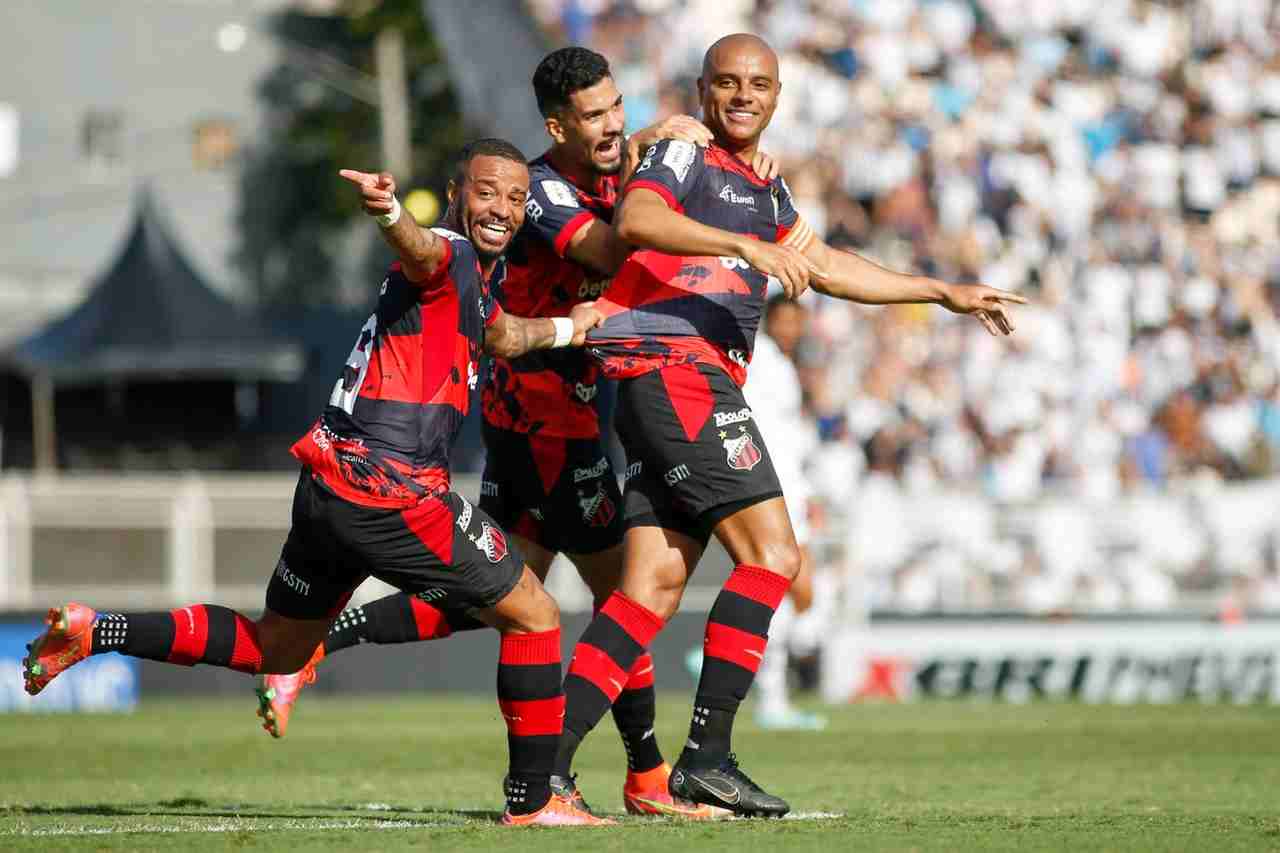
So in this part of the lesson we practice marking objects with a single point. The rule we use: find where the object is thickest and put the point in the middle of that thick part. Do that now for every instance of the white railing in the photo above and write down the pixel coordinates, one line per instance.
(156, 540)
(190, 520)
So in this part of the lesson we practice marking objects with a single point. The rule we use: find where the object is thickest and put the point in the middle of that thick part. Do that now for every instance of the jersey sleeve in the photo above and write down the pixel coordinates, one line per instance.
(458, 257)
(554, 214)
(670, 169)
(792, 230)
(784, 209)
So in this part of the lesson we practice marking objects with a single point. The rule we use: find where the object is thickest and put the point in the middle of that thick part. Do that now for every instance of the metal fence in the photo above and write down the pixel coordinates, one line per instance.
(155, 541)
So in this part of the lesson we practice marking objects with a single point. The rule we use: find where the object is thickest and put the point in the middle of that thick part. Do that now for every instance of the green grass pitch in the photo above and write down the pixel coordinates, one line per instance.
(396, 773)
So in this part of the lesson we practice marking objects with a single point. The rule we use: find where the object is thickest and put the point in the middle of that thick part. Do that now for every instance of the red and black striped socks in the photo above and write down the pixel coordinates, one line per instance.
(737, 633)
(199, 633)
(394, 619)
(532, 702)
(601, 667)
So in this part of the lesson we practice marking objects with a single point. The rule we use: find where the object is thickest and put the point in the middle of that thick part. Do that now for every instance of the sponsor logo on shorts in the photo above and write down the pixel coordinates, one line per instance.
(591, 288)
(633, 470)
(595, 472)
(434, 594)
(295, 583)
(488, 489)
(676, 474)
(738, 357)
(492, 541)
(464, 514)
(742, 452)
(597, 510)
(585, 393)
(724, 419)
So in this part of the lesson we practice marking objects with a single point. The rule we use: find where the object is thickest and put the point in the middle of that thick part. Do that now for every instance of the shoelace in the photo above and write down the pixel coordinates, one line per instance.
(731, 765)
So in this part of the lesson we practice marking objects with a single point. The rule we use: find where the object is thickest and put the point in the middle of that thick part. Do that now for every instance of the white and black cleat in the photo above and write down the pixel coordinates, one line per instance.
(724, 786)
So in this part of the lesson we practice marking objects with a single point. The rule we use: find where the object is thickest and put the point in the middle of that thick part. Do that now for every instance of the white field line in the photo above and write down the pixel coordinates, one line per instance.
(812, 816)
(226, 826)
(292, 825)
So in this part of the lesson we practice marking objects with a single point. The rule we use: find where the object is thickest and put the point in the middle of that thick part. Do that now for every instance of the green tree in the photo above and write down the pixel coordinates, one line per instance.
(294, 211)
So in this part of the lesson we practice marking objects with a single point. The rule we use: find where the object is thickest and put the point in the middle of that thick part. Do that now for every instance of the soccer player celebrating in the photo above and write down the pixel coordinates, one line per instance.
(540, 407)
(374, 493)
(681, 316)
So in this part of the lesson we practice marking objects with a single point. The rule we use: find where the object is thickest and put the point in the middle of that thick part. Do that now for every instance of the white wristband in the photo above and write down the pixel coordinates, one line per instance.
(386, 220)
(564, 332)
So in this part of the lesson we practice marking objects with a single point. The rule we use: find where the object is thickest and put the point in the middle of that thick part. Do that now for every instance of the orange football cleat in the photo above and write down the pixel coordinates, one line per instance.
(559, 811)
(65, 642)
(646, 794)
(278, 694)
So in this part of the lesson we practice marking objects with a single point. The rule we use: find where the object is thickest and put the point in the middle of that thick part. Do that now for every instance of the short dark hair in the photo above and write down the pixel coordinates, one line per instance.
(563, 72)
(489, 146)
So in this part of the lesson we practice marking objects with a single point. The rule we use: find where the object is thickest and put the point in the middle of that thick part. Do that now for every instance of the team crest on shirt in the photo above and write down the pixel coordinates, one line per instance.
(742, 452)
(597, 510)
(492, 542)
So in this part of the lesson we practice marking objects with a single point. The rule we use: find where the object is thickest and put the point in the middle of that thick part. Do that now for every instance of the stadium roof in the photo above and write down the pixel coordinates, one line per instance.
(152, 316)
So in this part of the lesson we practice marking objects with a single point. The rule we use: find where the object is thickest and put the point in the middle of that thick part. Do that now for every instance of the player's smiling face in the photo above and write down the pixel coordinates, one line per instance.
(589, 129)
(490, 203)
(739, 92)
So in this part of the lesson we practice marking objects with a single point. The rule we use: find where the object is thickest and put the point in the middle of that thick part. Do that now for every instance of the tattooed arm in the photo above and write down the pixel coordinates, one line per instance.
(511, 337)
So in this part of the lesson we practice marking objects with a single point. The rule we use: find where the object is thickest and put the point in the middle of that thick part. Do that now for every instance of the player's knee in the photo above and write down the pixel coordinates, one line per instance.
(661, 591)
(782, 557)
(542, 614)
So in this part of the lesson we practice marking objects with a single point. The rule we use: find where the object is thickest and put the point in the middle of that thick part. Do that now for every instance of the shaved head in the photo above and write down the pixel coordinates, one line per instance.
(739, 90)
(730, 48)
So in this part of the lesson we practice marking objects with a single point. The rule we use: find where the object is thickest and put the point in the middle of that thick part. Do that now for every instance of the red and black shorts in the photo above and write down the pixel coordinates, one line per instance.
(442, 549)
(560, 493)
(695, 455)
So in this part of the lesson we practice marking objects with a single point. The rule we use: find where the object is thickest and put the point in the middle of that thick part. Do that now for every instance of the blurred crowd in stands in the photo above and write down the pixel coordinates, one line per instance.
(1118, 162)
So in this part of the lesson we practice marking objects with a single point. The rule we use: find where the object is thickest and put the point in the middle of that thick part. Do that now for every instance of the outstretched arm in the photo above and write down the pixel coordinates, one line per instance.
(420, 251)
(853, 277)
(512, 337)
(646, 222)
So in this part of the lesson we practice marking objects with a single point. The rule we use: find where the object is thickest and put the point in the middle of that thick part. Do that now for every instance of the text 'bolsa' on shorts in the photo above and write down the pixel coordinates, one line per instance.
(694, 454)
(560, 493)
(443, 550)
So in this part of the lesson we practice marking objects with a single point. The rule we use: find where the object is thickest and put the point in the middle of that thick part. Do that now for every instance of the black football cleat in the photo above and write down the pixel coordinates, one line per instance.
(724, 786)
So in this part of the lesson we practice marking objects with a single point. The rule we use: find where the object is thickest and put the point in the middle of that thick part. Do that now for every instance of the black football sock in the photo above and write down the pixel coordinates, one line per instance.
(198, 633)
(394, 619)
(737, 633)
(532, 701)
(634, 712)
(602, 659)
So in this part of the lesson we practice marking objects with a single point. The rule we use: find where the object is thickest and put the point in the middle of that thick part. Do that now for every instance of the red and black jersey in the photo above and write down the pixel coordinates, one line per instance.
(385, 436)
(549, 392)
(662, 309)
